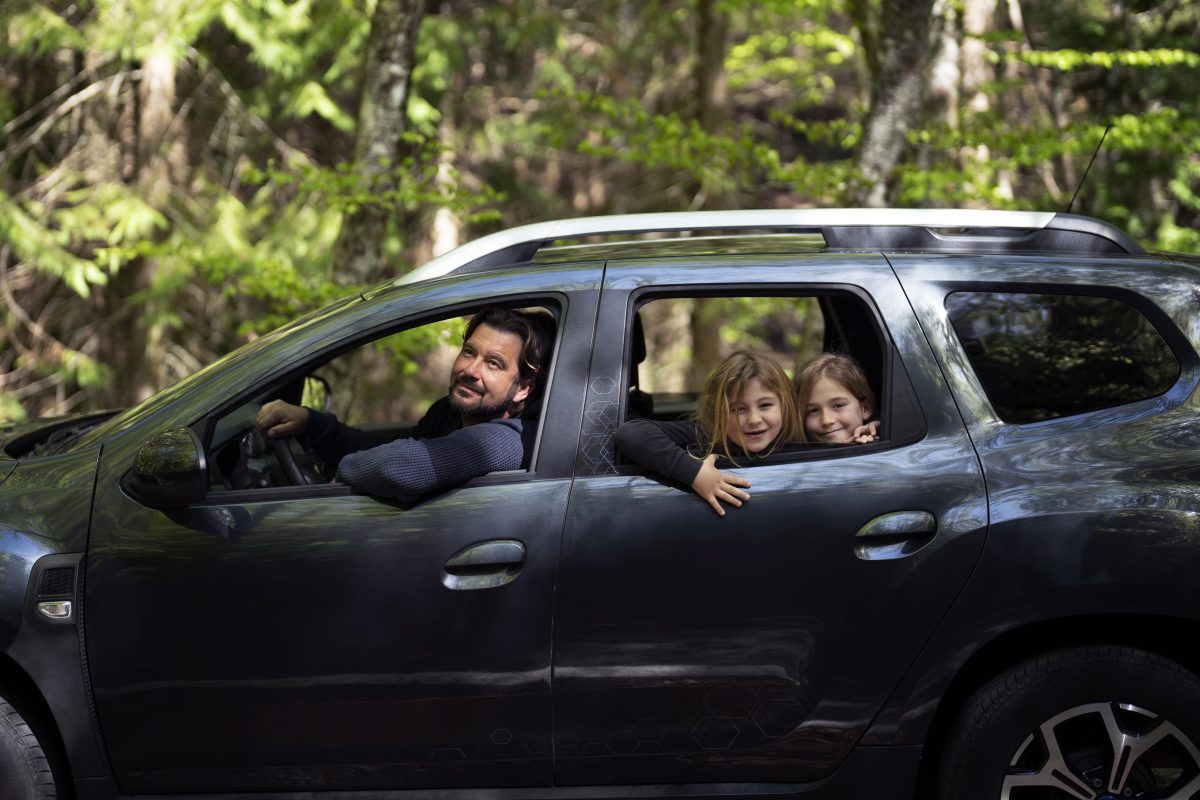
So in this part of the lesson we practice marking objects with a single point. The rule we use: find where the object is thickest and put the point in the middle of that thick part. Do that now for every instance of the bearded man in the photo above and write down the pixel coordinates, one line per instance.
(476, 429)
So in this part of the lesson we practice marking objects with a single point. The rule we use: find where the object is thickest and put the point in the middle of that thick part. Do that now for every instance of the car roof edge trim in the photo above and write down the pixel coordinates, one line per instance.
(527, 239)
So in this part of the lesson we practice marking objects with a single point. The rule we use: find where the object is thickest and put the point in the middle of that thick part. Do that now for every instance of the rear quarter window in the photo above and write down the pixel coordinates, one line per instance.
(1044, 356)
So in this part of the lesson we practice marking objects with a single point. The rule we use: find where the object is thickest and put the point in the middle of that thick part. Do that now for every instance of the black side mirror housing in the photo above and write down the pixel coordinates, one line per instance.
(170, 469)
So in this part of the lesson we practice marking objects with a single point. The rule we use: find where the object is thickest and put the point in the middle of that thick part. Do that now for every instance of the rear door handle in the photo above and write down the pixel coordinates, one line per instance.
(485, 565)
(895, 535)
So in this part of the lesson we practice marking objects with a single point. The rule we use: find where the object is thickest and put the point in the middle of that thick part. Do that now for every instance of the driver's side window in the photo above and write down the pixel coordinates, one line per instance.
(384, 387)
(388, 384)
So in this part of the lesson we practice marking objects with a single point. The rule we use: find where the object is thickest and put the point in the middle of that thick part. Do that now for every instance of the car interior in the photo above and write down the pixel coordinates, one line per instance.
(837, 322)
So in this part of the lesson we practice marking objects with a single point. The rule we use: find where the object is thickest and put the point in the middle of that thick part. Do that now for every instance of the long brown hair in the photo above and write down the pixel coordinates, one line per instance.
(724, 387)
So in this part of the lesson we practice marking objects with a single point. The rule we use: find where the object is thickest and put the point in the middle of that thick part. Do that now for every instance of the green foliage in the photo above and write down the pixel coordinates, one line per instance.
(413, 183)
(312, 99)
(1068, 60)
(135, 29)
(11, 409)
(782, 325)
(395, 378)
(720, 163)
(788, 329)
(36, 30)
(772, 58)
(239, 249)
(46, 247)
(626, 130)
(309, 54)
(270, 29)
(407, 347)
(84, 370)
(269, 256)
(520, 110)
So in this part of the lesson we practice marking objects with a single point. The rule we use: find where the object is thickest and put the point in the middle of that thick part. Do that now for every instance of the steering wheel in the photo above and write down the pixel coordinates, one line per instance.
(297, 476)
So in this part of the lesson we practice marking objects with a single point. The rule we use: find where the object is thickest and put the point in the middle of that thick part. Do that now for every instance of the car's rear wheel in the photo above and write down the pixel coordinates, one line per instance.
(24, 771)
(1093, 723)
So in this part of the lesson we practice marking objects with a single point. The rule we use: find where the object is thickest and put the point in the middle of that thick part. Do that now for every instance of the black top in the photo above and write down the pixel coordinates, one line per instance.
(671, 448)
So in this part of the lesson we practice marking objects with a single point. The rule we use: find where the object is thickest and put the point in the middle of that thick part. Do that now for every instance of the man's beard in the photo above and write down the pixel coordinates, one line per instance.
(482, 410)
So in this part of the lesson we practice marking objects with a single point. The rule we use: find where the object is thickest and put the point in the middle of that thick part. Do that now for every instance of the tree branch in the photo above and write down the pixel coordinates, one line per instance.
(24, 144)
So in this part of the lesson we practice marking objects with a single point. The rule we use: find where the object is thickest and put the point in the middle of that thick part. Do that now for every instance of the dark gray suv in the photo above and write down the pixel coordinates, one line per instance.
(996, 599)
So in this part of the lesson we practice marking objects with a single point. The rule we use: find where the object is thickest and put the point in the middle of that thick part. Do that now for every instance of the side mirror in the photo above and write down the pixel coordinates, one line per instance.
(170, 469)
(317, 393)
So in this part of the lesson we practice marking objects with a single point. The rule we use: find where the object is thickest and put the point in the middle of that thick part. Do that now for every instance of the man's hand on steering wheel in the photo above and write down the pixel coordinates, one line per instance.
(279, 419)
(280, 423)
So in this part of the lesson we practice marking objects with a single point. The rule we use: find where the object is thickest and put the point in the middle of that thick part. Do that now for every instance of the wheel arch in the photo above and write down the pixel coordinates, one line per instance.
(1163, 635)
(20, 690)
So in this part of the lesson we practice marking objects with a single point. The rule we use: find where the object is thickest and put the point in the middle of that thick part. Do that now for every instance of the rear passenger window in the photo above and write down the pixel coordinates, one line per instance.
(676, 342)
(1043, 356)
(681, 340)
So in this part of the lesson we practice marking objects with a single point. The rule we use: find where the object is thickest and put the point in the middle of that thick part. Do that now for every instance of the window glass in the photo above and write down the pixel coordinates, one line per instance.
(1042, 356)
(686, 337)
(677, 342)
(385, 385)
(391, 380)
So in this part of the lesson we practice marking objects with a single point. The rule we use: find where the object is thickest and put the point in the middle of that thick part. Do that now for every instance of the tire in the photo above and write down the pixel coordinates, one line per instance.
(24, 771)
(1053, 727)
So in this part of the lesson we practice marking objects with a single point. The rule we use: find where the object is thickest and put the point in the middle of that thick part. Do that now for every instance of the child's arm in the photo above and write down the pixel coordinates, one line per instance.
(662, 448)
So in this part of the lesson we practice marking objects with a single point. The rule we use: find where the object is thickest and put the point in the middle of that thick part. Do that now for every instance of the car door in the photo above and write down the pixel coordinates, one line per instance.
(756, 646)
(314, 637)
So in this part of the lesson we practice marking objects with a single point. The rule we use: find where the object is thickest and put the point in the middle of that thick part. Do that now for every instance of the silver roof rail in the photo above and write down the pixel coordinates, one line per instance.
(852, 228)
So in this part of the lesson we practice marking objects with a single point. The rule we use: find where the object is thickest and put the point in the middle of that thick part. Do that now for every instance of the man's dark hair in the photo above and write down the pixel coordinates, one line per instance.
(535, 329)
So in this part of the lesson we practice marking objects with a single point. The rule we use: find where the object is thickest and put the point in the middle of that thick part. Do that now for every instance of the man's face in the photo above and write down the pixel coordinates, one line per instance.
(485, 378)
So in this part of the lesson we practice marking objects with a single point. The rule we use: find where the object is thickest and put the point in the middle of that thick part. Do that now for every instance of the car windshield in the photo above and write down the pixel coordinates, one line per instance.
(131, 415)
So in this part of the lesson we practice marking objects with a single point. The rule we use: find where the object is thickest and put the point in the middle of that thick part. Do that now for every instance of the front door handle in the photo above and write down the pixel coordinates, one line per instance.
(485, 565)
(894, 535)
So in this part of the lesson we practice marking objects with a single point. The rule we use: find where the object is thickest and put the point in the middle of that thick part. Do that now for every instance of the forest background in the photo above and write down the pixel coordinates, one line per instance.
(179, 176)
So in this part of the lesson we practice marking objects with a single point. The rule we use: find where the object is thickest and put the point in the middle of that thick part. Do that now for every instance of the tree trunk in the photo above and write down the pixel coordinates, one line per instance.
(944, 74)
(444, 232)
(712, 106)
(900, 32)
(942, 99)
(152, 157)
(382, 123)
(712, 90)
(160, 158)
(706, 338)
(978, 19)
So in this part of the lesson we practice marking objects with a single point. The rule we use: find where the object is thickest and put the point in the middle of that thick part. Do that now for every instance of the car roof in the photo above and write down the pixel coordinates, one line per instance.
(660, 247)
(843, 229)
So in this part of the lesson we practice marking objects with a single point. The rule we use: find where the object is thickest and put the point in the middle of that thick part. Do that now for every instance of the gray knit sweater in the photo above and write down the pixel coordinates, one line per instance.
(441, 454)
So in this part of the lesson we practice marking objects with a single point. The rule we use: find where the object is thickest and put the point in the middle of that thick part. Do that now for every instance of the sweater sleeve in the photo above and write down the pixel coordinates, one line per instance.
(405, 469)
(662, 447)
(332, 440)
